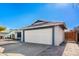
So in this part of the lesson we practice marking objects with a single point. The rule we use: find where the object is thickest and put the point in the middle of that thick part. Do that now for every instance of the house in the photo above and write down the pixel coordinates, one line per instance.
(44, 32)
(76, 29)
(19, 34)
(9, 34)
(2, 35)
(15, 34)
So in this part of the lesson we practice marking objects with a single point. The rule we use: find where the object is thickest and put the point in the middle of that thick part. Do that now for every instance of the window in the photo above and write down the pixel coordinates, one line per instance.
(18, 34)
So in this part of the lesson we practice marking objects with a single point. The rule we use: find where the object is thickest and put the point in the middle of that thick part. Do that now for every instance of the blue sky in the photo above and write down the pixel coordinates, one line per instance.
(23, 14)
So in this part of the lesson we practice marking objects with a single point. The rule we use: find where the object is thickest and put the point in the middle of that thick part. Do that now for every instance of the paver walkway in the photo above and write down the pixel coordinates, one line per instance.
(71, 49)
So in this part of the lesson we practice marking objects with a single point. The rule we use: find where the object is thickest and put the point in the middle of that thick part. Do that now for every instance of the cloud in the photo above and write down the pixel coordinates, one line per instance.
(61, 4)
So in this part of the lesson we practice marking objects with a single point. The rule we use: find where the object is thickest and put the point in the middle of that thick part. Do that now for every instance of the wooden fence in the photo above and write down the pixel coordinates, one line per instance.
(70, 36)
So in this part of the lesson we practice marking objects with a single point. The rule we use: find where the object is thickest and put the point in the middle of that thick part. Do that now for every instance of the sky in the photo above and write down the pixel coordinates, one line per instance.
(17, 15)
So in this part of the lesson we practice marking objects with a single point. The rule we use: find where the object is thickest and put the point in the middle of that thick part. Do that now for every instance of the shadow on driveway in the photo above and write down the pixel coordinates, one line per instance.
(29, 49)
(53, 50)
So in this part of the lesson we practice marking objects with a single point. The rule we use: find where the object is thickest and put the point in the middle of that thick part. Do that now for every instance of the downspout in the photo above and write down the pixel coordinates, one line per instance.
(53, 36)
(23, 35)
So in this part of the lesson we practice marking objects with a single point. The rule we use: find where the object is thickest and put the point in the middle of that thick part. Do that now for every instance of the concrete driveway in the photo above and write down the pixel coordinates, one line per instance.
(53, 50)
(28, 49)
(16, 48)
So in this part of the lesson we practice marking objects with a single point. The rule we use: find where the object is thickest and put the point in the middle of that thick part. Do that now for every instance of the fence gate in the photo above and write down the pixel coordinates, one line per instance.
(70, 36)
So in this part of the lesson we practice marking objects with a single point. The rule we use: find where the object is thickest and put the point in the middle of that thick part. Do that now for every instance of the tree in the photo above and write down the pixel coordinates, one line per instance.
(2, 28)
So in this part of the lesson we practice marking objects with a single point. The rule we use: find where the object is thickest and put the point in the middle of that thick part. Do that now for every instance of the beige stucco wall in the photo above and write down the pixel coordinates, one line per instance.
(42, 36)
(59, 35)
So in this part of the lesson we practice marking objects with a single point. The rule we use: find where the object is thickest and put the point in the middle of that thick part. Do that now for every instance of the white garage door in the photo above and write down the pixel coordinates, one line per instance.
(42, 36)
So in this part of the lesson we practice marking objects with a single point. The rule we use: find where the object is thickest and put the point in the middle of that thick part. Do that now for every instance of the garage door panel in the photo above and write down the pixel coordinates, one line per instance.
(42, 36)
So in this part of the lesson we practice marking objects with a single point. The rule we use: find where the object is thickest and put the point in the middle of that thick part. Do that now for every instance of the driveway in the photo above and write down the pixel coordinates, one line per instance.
(53, 50)
(28, 49)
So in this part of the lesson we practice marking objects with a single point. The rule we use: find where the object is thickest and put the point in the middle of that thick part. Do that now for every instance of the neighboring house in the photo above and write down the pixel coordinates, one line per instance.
(19, 34)
(15, 34)
(2, 35)
(44, 32)
(76, 29)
